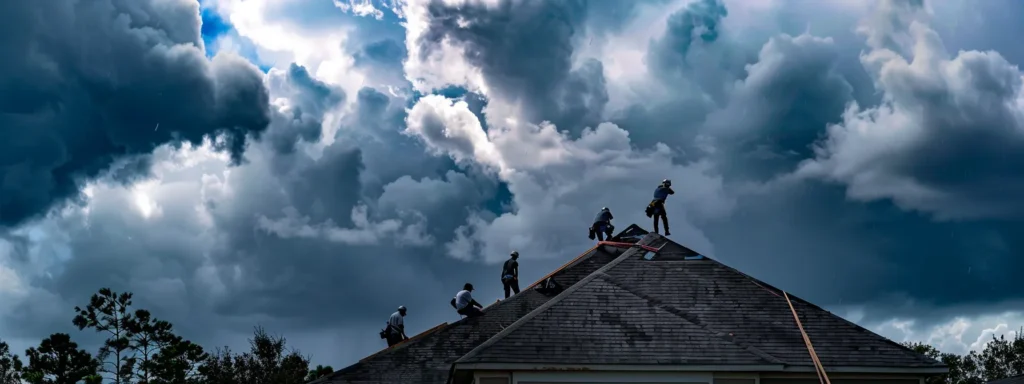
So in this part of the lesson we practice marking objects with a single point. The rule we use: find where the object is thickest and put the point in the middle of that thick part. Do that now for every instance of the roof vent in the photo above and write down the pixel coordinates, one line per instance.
(631, 234)
(672, 252)
(549, 287)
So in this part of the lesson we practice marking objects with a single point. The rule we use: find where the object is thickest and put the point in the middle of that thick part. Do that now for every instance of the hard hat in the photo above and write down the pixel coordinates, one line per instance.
(515, 253)
(604, 209)
(401, 308)
(666, 182)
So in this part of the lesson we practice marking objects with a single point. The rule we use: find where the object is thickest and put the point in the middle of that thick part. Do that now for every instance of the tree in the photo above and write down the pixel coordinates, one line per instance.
(1001, 358)
(318, 372)
(108, 312)
(146, 336)
(267, 362)
(177, 362)
(59, 361)
(10, 365)
(219, 368)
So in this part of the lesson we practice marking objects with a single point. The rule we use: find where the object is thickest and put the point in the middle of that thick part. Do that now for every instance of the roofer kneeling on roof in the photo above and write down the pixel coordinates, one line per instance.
(657, 206)
(464, 303)
(602, 227)
(395, 331)
(510, 274)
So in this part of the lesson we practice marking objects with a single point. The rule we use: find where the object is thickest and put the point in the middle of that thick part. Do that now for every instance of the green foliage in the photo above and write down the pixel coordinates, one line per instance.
(267, 362)
(10, 365)
(1000, 359)
(109, 312)
(318, 372)
(58, 360)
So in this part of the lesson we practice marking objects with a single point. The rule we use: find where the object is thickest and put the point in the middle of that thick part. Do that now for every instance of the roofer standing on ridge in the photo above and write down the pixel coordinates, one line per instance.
(464, 303)
(602, 226)
(510, 274)
(396, 327)
(657, 206)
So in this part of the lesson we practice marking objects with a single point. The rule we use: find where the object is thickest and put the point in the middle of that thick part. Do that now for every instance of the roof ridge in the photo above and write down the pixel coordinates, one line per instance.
(770, 288)
(686, 316)
(569, 264)
(561, 296)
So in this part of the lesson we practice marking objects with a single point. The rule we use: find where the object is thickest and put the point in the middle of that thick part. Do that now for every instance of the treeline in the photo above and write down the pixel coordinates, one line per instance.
(142, 349)
(1001, 358)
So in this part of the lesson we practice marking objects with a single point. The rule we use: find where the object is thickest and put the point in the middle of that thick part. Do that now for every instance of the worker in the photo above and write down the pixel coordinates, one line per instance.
(602, 227)
(510, 274)
(396, 327)
(464, 304)
(657, 206)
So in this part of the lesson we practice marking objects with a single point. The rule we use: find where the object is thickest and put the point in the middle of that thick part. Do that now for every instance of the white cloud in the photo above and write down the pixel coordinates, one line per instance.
(958, 335)
(931, 101)
(559, 183)
(364, 232)
(359, 7)
(281, 42)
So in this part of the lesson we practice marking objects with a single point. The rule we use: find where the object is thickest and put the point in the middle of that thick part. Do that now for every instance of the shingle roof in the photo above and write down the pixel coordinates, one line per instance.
(618, 307)
(1009, 380)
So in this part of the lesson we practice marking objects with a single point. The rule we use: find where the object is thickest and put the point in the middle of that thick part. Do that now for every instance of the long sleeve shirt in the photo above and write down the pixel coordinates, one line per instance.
(662, 192)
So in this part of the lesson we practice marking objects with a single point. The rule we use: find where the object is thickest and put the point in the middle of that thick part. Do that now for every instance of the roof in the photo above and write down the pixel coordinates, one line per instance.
(636, 307)
(1009, 380)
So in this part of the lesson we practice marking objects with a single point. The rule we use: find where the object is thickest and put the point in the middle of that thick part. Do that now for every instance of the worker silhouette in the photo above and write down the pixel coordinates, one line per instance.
(464, 304)
(396, 327)
(510, 274)
(657, 206)
(602, 227)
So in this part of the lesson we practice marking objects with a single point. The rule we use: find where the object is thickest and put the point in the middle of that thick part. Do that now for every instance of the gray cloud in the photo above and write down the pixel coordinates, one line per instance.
(948, 135)
(89, 83)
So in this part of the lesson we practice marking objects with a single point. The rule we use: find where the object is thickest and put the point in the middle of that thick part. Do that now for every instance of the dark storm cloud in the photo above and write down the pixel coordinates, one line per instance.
(524, 50)
(86, 83)
(948, 137)
(310, 99)
(781, 108)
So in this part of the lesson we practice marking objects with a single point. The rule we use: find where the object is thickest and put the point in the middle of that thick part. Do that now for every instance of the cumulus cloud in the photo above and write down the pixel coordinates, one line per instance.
(139, 80)
(553, 178)
(959, 334)
(365, 232)
(945, 136)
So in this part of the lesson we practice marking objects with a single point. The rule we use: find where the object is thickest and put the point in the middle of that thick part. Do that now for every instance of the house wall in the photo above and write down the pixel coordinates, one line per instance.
(636, 377)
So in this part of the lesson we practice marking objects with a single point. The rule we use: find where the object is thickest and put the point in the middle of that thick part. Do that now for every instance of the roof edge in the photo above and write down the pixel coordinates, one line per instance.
(555, 300)
(695, 368)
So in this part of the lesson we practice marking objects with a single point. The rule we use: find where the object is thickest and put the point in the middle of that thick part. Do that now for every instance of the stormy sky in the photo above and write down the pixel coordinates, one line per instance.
(309, 165)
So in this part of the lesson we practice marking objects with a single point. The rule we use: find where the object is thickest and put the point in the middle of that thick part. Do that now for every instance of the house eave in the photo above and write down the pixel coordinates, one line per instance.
(692, 368)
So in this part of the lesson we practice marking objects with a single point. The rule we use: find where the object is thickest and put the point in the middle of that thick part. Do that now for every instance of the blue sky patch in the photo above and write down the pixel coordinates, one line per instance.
(213, 27)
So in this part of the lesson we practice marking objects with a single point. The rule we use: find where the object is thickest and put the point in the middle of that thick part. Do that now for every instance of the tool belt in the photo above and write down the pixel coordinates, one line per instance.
(656, 206)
